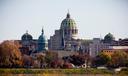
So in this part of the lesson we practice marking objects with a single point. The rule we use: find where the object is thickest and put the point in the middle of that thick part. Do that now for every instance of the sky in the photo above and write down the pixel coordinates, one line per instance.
(94, 18)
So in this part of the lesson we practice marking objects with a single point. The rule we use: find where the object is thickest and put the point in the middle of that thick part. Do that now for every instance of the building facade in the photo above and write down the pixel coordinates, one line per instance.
(30, 45)
(97, 46)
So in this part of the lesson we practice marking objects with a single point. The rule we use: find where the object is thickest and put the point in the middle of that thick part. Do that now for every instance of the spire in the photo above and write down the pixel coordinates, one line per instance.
(42, 30)
(68, 15)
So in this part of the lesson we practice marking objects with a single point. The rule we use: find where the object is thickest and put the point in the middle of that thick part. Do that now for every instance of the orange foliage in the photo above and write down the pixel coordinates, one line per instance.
(10, 55)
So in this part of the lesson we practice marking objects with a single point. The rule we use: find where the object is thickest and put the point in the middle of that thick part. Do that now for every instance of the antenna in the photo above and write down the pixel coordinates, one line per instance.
(42, 30)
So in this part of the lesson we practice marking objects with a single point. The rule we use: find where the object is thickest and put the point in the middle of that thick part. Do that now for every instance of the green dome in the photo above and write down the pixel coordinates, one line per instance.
(109, 38)
(68, 28)
(42, 42)
(42, 39)
(26, 37)
(68, 23)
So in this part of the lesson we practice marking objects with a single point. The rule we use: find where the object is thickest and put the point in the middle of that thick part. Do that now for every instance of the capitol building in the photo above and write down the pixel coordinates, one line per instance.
(66, 37)
(66, 41)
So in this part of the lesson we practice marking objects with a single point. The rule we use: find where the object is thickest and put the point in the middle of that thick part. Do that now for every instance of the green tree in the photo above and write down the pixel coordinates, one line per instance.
(101, 60)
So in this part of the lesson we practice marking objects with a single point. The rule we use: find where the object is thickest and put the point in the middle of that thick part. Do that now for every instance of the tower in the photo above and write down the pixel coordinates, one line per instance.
(42, 42)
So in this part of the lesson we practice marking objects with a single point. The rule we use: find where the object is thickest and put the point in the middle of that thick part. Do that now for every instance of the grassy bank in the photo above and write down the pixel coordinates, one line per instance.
(59, 71)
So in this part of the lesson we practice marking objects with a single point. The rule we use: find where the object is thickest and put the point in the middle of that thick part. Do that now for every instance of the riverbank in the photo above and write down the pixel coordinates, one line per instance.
(62, 71)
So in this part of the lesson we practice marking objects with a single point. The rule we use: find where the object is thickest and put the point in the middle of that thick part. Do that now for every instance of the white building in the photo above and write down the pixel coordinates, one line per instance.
(97, 46)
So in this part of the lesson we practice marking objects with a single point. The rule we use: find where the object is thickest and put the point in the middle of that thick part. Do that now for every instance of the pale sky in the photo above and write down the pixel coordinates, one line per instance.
(94, 18)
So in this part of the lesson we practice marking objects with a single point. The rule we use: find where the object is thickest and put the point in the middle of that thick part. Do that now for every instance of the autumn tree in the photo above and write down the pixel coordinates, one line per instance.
(101, 60)
(10, 55)
(58, 63)
(50, 57)
(27, 61)
(41, 59)
(77, 60)
(119, 59)
(67, 65)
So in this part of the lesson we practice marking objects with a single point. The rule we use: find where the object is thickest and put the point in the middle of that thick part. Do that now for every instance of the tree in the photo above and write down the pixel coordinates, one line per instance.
(58, 63)
(101, 60)
(119, 59)
(10, 55)
(77, 60)
(41, 59)
(67, 65)
(50, 57)
(27, 61)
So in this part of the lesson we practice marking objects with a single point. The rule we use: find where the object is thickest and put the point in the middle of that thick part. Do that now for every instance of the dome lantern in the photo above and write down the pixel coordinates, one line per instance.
(42, 31)
(68, 15)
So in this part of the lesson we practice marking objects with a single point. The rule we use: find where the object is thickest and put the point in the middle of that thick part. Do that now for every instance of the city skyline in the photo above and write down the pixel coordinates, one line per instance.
(93, 18)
